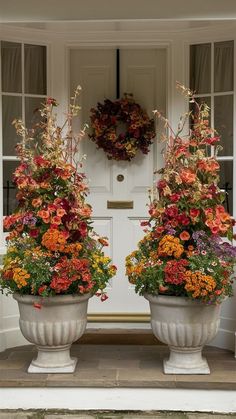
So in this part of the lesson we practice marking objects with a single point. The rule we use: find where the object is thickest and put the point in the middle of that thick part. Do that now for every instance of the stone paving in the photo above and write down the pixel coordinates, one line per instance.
(39, 414)
(138, 366)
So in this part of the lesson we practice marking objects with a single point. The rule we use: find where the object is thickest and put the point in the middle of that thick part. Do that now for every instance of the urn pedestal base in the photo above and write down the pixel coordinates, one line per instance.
(186, 361)
(53, 360)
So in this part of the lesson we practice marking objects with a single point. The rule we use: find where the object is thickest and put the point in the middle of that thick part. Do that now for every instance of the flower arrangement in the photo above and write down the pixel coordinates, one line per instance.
(52, 248)
(108, 117)
(185, 251)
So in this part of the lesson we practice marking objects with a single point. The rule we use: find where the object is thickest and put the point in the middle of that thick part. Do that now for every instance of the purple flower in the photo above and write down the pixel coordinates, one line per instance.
(29, 219)
(171, 231)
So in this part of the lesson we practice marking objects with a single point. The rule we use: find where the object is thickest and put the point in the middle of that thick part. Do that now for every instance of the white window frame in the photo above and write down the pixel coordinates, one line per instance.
(23, 95)
(213, 94)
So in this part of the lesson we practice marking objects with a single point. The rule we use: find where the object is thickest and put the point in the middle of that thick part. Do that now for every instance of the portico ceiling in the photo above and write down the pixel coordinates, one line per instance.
(115, 10)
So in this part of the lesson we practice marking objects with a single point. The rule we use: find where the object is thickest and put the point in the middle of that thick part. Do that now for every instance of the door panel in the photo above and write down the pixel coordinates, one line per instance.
(142, 73)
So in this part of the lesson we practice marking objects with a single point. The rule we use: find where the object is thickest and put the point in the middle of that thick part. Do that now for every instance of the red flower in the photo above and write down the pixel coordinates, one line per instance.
(194, 212)
(144, 223)
(51, 101)
(41, 162)
(174, 271)
(171, 211)
(34, 232)
(183, 219)
(83, 229)
(42, 289)
(60, 283)
(175, 197)
(161, 184)
(37, 305)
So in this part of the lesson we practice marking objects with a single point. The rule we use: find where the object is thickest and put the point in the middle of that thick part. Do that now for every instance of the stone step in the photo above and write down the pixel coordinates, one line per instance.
(119, 337)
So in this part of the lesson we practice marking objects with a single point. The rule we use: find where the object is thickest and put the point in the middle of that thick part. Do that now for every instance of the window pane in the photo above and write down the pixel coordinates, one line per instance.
(224, 123)
(223, 66)
(32, 114)
(11, 109)
(11, 67)
(35, 69)
(200, 68)
(9, 190)
(193, 107)
(226, 183)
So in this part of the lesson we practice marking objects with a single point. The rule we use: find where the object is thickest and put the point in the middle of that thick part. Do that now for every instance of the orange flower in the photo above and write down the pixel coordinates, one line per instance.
(56, 220)
(199, 284)
(37, 202)
(54, 240)
(20, 276)
(43, 214)
(61, 212)
(187, 176)
(85, 211)
(170, 246)
(184, 235)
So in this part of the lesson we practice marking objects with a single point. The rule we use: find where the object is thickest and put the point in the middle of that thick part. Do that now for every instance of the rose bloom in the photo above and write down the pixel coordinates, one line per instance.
(184, 235)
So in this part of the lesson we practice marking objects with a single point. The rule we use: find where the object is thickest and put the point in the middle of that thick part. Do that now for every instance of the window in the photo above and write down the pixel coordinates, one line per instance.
(211, 77)
(23, 89)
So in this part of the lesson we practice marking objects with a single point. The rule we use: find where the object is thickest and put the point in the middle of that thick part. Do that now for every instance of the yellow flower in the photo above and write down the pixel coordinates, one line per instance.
(20, 277)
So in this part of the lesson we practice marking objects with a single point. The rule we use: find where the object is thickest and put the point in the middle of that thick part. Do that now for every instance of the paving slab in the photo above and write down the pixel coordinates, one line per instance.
(117, 366)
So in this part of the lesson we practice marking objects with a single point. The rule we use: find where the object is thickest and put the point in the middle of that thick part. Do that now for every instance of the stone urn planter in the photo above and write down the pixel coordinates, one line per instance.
(185, 326)
(53, 327)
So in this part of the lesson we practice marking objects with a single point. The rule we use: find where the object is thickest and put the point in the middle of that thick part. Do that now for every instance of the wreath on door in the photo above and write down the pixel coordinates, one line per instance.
(121, 128)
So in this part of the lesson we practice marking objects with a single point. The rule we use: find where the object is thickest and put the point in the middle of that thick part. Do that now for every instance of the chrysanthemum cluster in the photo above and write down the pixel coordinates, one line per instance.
(52, 248)
(187, 248)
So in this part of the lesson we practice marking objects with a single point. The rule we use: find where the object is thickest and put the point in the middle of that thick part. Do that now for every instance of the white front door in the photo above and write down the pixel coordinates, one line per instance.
(142, 73)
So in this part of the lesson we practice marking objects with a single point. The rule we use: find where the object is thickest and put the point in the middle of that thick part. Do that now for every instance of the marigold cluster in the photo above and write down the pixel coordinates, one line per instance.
(170, 246)
(20, 276)
(199, 284)
(54, 240)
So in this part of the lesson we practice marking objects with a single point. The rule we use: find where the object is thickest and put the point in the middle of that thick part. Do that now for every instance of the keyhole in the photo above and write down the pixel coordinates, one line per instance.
(120, 178)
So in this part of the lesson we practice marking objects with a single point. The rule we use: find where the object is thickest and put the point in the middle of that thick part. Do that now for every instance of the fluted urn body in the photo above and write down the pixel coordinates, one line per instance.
(185, 326)
(53, 324)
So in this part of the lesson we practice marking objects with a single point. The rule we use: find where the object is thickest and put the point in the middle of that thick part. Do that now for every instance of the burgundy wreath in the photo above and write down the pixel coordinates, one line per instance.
(110, 117)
